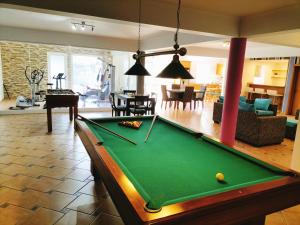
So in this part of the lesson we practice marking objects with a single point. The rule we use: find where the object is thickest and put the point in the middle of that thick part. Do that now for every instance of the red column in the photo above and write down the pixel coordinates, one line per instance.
(233, 90)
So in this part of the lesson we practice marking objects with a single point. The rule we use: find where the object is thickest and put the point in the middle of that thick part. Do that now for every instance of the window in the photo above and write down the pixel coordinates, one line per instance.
(57, 63)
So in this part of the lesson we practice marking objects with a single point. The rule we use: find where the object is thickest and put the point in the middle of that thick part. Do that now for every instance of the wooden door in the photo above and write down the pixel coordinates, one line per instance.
(296, 99)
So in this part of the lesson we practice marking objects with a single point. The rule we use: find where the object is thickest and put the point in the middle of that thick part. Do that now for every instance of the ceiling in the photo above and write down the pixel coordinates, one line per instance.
(291, 38)
(150, 33)
(236, 7)
(103, 27)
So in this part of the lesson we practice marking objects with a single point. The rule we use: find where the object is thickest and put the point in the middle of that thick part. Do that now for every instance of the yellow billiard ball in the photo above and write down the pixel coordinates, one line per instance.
(220, 177)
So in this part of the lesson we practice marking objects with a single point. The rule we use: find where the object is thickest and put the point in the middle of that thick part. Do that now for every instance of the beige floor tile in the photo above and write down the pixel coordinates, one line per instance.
(291, 217)
(76, 218)
(13, 169)
(79, 156)
(65, 163)
(95, 189)
(69, 186)
(275, 219)
(85, 203)
(4, 177)
(42, 217)
(58, 172)
(2, 166)
(12, 215)
(19, 182)
(79, 174)
(44, 184)
(85, 164)
(18, 198)
(104, 219)
(7, 159)
(54, 200)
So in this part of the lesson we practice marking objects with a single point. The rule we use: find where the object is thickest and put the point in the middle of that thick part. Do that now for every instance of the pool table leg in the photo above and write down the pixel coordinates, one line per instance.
(94, 172)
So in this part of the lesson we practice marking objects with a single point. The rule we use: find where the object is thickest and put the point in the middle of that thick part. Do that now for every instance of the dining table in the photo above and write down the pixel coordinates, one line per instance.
(129, 99)
(178, 93)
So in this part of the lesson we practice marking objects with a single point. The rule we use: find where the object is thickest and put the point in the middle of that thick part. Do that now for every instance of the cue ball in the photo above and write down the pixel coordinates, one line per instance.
(220, 176)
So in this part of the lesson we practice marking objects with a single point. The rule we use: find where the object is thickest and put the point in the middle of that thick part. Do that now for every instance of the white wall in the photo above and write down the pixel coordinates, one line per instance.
(1, 80)
(267, 72)
(123, 61)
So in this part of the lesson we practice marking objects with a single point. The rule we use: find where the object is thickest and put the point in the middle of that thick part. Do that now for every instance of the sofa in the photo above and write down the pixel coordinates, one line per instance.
(253, 129)
(218, 106)
(291, 127)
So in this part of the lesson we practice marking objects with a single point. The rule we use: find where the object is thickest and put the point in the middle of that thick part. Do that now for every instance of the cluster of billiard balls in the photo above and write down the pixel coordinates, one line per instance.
(220, 177)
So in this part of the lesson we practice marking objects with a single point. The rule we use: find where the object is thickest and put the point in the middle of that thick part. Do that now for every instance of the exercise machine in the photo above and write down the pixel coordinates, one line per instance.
(58, 78)
(34, 79)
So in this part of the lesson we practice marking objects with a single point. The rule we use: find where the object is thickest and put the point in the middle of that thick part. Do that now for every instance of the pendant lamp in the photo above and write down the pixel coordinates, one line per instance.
(138, 68)
(175, 70)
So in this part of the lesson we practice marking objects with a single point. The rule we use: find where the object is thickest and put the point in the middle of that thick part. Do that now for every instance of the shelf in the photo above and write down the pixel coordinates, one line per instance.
(278, 76)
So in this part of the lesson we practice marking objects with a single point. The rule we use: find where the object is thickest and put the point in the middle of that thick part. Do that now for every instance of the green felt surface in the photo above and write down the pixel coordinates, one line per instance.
(175, 166)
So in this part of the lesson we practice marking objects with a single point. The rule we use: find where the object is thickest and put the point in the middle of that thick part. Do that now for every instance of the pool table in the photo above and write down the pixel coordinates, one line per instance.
(171, 179)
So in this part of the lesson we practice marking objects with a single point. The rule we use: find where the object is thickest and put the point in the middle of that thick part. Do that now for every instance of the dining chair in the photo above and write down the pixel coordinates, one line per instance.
(165, 97)
(133, 92)
(175, 95)
(199, 96)
(186, 98)
(141, 104)
(116, 109)
(152, 103)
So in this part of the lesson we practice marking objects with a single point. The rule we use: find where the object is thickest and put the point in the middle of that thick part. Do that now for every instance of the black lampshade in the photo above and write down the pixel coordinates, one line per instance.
(138, 69)
(175, 70)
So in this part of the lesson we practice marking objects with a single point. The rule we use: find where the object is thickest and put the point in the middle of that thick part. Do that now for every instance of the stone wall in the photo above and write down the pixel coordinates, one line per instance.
(17, 55)
(1, 80)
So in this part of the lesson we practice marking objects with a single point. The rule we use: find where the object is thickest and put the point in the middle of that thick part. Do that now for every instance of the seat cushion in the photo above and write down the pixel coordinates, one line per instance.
(264, 113)
(242, 99)
(262, 103)
(291, 123)
(244, 106)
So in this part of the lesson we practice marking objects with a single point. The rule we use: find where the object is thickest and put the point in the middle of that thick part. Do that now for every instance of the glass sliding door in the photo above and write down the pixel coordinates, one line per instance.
(91, 77)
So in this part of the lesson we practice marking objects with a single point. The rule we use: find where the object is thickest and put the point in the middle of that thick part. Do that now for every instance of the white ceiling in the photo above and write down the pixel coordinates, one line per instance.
(103, 27)
(236, 7)
(149, 33)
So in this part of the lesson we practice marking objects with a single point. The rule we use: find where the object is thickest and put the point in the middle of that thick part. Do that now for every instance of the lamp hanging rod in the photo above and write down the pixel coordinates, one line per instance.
(181, 51)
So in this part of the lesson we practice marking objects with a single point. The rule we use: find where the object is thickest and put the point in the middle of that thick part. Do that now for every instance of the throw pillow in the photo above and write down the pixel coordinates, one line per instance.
(262, 103)
(244, 106)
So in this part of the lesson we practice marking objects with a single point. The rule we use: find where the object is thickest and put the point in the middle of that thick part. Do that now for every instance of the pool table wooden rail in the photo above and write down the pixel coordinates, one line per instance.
(247, 206)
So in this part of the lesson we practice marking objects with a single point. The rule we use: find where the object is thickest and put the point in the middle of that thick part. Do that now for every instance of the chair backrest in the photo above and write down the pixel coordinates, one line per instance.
(164, 93)
(175, 86)
(141, 100)
(201, 95)
(129, 91)
(112, 100)
(188, 94)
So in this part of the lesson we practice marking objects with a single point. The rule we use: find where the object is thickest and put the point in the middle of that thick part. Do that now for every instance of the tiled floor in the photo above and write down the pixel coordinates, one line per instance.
(45, 178)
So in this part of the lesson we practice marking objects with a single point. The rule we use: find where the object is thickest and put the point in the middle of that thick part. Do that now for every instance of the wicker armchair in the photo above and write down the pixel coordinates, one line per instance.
(218, 107)
(253, 129)
(260, 130)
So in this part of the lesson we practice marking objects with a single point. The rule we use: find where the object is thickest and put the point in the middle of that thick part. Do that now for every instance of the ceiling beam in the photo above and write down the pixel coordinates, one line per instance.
(282, 19)
(67, 39)
(153, 12)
